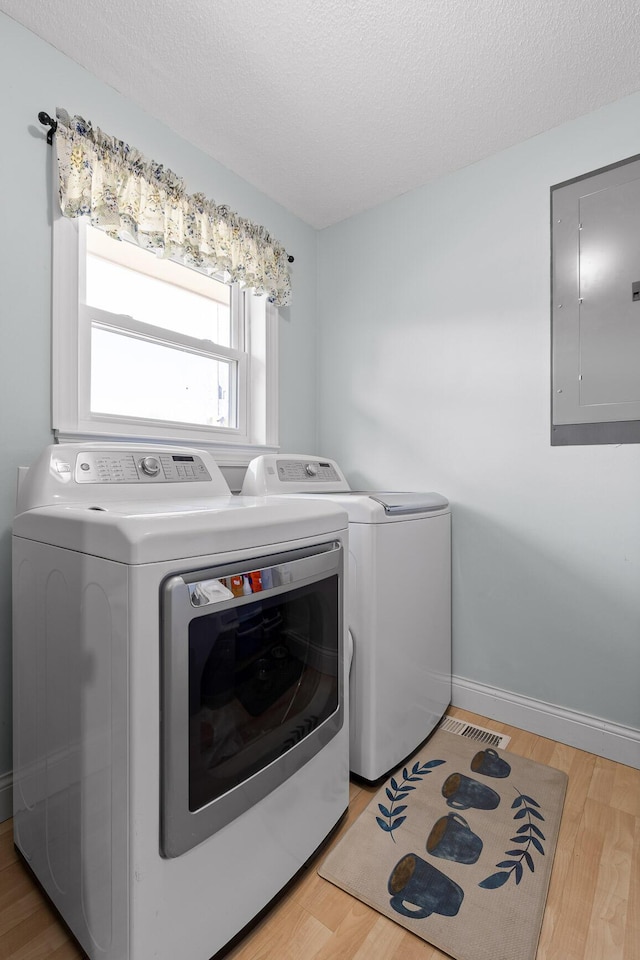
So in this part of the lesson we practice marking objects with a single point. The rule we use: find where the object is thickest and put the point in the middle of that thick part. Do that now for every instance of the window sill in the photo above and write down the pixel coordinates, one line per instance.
(225, 454)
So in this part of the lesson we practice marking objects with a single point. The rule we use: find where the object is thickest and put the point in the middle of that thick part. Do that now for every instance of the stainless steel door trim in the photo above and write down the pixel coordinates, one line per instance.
(295, 569)
(180, 828)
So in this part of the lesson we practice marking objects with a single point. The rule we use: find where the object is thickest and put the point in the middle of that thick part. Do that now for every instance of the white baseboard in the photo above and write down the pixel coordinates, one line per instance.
(6, 796)
(610, 740)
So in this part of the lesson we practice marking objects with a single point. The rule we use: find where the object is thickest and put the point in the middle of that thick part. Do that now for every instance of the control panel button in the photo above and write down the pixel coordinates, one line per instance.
(150, 466)
(311, 469)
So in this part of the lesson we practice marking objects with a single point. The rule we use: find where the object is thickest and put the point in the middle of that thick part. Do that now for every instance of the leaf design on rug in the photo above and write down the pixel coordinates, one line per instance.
(529, 833)
(397, 792)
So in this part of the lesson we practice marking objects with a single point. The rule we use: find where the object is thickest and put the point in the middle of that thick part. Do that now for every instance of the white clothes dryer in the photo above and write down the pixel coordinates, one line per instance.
(180, 729)
(399, 605)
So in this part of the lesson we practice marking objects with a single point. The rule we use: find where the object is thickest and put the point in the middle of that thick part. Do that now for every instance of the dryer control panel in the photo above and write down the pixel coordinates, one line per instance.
(139, 466)
(106, 472)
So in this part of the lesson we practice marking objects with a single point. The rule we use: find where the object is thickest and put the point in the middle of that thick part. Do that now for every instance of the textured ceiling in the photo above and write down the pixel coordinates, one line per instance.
(333, 106)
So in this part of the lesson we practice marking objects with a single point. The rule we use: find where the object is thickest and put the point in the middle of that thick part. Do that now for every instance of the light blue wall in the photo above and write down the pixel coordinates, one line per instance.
(434, 370)
(34, 77)
(435, 347)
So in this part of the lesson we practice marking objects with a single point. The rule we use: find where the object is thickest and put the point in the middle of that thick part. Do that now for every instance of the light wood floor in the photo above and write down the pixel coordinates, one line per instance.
(593, 906)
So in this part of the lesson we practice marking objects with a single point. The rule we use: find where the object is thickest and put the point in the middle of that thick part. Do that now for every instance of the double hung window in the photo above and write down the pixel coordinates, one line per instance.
(150, 349)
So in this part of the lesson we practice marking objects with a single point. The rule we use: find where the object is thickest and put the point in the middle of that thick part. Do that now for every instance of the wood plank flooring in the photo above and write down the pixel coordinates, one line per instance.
(593, 906)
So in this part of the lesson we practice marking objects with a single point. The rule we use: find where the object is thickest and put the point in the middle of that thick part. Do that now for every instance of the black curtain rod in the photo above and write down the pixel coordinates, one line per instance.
(46, 121)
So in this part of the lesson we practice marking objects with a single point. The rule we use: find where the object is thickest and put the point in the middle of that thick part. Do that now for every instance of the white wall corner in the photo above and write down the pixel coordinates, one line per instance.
(6, 796)
(610, 740)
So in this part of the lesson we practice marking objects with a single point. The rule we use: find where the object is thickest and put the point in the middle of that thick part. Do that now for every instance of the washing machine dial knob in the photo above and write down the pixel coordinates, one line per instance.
(150, 466)
(311, 469)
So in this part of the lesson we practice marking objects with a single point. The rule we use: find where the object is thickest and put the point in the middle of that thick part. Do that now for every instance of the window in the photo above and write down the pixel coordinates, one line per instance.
(150, 349)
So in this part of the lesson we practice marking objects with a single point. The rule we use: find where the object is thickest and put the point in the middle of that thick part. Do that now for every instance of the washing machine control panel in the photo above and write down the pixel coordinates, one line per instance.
(139, 466)
(292, 471)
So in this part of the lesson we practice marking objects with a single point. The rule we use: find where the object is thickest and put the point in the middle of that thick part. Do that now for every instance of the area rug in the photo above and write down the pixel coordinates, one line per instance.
(458, 847)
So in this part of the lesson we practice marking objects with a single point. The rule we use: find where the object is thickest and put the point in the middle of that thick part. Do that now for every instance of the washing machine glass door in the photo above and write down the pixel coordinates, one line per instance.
(252, 684)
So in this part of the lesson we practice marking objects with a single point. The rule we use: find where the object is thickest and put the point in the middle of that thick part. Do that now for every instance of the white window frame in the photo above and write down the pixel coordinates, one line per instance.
(257, 395)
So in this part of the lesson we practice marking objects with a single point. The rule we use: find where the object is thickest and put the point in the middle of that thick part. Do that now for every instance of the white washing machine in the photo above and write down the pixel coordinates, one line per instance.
(399, 605)
(180, 729)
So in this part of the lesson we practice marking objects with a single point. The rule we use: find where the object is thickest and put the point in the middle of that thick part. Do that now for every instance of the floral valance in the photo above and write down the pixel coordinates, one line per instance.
(128, 195)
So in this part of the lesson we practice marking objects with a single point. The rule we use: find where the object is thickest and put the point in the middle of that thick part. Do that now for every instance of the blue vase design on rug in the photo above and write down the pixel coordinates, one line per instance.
(489, 764)
(400, 859)
(419, 889)
(451, 838)
(463, 792)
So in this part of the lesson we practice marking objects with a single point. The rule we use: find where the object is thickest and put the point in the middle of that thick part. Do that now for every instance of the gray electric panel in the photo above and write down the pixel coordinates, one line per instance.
(595, 307)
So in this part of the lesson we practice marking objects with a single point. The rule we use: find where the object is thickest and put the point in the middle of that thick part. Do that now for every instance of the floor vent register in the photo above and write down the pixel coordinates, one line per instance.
(480, 734)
